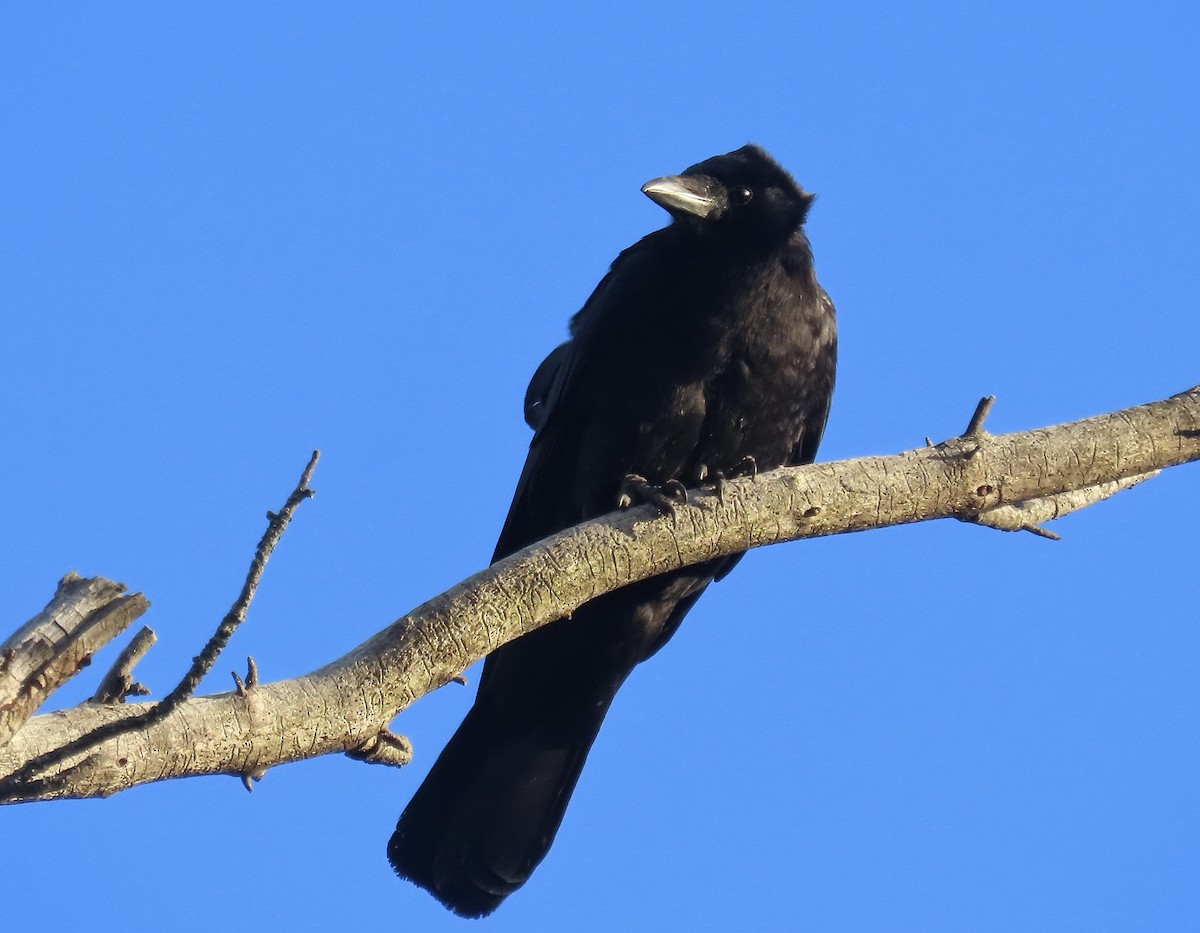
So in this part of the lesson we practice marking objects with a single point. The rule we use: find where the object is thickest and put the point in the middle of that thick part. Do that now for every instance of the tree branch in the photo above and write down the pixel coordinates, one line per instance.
(118, 684)
(59, 642)
(346, 705)
(147, 717)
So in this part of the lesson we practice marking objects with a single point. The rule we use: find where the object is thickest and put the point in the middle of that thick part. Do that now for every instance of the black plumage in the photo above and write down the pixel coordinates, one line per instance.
(709, 341)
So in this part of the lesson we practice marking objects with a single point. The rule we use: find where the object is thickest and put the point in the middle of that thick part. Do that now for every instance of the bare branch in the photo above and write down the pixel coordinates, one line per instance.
(243, 687)
(277, 523)
(118, 683)
(348, 704)
(1028, 516)
(982, 410)
(57, 643)
(201, 664)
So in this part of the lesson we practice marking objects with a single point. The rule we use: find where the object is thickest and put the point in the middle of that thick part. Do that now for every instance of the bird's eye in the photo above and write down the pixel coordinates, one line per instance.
(742, 196)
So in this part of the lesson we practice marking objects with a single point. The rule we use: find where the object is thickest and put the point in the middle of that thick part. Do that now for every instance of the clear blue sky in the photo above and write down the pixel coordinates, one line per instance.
(234, 233)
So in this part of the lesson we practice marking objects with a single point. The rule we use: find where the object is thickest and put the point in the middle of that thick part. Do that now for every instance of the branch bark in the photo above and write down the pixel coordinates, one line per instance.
(1008, 481)
(57, 643)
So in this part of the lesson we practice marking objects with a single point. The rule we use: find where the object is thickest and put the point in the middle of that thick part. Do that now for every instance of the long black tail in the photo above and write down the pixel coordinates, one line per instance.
(488, 810)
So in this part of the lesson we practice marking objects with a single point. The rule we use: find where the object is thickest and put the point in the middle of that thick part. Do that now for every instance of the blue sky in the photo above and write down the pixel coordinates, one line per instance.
(233, 233)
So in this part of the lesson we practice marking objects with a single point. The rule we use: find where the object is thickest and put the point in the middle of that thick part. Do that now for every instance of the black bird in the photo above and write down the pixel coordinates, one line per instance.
(707, 346)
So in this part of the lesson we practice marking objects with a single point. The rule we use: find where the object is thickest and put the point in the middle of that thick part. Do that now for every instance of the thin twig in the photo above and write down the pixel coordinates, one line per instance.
(975, 427)
(243, 688)
(118, 683)
(201, 664)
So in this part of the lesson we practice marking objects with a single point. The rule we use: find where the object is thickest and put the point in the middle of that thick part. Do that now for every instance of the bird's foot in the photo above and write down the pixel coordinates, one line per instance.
(716, 479)
(747, 466)
(711, 480)
(637, 490)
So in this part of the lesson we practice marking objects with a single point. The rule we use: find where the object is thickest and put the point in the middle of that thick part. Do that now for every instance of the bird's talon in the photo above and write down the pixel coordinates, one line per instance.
(676, 491)
(636, 489)
(747, 466)
(632, 491)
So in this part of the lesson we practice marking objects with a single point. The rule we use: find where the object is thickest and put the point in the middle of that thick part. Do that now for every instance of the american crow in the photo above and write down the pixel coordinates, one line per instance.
(708, 342)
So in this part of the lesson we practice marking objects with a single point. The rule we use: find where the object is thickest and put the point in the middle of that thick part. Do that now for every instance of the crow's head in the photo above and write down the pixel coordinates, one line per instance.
(744, 193)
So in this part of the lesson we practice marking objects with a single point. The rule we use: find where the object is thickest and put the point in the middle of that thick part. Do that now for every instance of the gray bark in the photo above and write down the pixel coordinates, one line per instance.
(1008, 481)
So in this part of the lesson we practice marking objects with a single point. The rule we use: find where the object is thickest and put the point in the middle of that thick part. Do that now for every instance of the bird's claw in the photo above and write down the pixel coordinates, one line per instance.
(747, 466)
(637, 490)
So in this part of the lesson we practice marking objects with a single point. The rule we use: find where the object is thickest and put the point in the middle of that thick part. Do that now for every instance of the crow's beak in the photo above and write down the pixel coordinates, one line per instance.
(695, 195)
